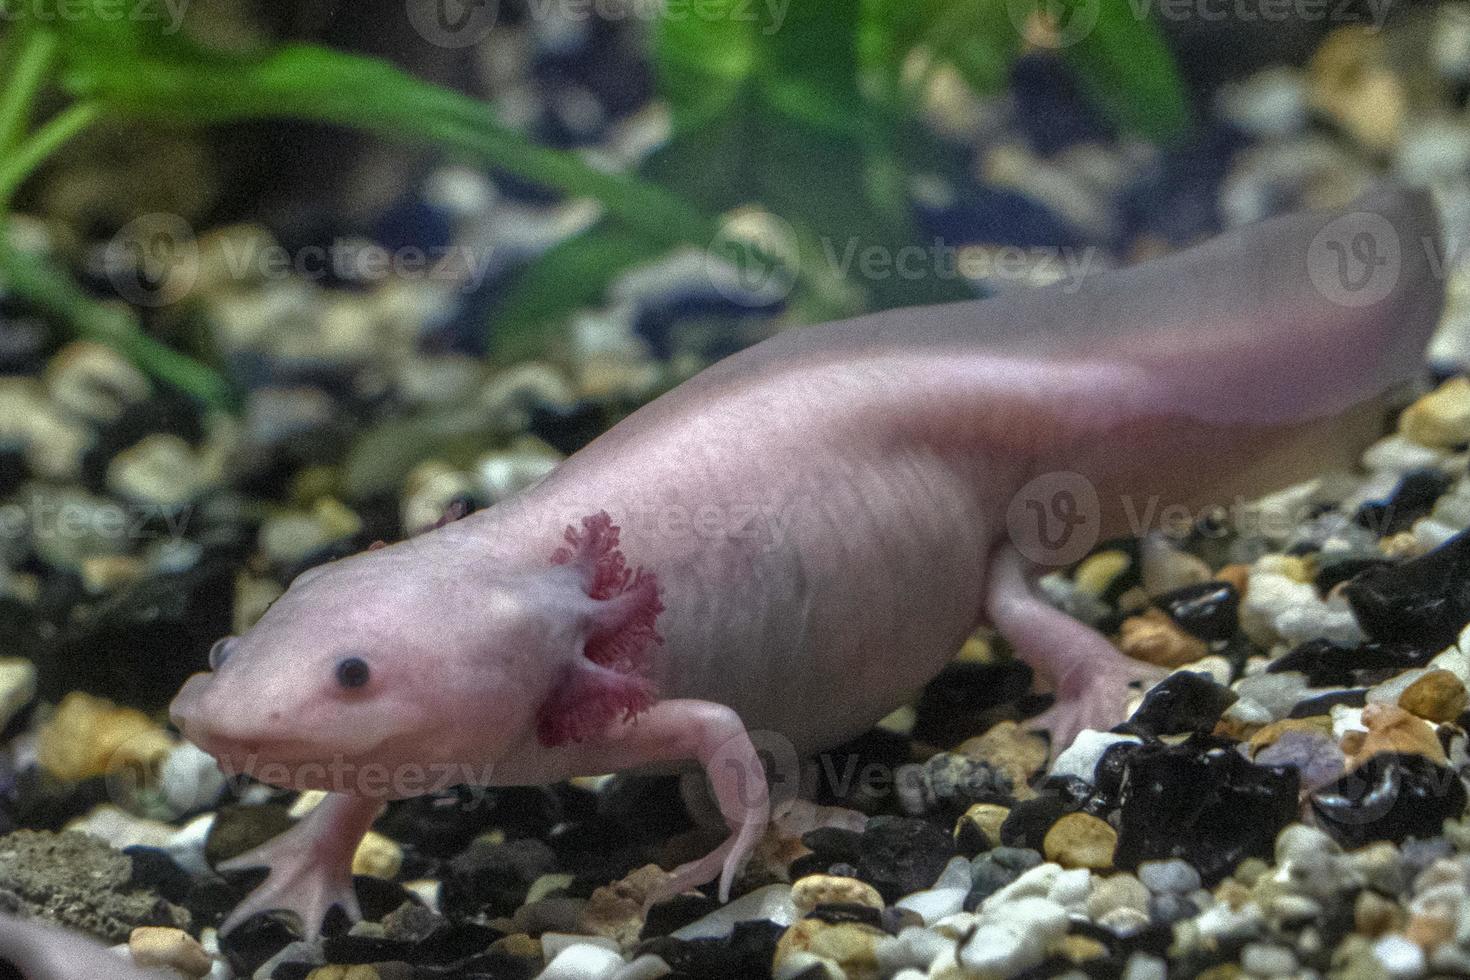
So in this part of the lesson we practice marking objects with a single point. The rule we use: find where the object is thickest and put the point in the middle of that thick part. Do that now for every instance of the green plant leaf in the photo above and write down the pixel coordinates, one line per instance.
(151, 75)
(1125, 67)
(568, 277)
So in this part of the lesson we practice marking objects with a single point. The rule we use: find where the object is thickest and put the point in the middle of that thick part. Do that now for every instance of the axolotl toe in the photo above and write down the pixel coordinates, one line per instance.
(784, 548)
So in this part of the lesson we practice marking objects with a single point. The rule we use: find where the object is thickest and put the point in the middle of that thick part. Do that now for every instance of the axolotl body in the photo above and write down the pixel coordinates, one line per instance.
(796, 539)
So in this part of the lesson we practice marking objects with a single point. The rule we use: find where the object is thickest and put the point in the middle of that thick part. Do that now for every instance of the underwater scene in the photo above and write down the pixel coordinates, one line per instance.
(724, 489)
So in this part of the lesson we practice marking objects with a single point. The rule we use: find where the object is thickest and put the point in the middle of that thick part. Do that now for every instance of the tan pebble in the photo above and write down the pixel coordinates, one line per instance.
(1165, 568)
(377, 856)
(1155, 638)
(103, 573)
(1236, 729)
(1080, 840)
(1079, 949)
(1098, 572)
(1437, 696)
(1440, 419)
(1428, 930)
(615, 910)
(1232, 893)
(1297, 568)
(1401, 546)
(1349, 81)
(1391, 729)
(1011, 749)
(90, 736)
(1225, 971)
(851, 945)
(986, 818)
(977, 649)
(519, 945)
(1119, 891)
(1269, 734)
(155, 946)
(1374, 915)
(814, 890)
(1237, 575)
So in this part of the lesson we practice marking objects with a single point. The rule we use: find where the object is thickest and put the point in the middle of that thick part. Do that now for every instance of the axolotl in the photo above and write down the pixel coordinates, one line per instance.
(796, 539)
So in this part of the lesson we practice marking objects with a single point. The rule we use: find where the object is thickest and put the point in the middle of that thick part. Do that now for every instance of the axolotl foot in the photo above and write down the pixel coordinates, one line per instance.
(1093, 678)
(310, 865)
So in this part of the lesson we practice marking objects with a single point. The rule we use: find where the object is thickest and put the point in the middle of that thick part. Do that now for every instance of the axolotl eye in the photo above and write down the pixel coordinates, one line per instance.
(353, 672)
(221, 651)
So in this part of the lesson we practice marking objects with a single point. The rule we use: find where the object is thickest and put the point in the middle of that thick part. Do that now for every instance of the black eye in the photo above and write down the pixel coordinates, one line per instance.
(221, 651)
(352, 672)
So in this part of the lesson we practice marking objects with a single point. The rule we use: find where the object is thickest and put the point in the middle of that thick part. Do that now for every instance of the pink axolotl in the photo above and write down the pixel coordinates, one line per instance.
(799, 537)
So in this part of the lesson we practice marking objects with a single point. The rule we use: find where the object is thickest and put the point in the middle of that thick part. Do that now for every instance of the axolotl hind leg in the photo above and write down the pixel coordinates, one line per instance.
(310, 864)
(1093, 678)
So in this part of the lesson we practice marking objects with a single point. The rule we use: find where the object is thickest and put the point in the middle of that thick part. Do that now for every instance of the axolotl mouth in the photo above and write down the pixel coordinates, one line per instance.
(248, 747)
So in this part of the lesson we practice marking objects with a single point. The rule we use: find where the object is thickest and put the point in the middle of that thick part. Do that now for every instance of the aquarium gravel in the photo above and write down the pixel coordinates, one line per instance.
(1288, 802)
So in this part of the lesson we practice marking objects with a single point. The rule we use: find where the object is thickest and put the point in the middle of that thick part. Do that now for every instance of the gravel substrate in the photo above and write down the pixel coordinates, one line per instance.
(1290, 802)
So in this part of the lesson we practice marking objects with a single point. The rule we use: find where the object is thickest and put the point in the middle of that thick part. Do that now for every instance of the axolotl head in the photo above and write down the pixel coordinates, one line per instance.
(386, 662)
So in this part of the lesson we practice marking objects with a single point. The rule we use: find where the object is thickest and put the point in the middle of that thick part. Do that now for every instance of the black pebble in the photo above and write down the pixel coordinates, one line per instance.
(1203, 802)
(256, 940)
(900, 855)
(350, 950)
(1412, 499)
(1323, 704)
(156, 870)
(442, 824)
(1208, 610)
(745, 954)
(964, 698)
(1186, 701)
(1027, 823)
(1326, 664)
(1424, 602)
(677, 912)
(835, 913)
(493, 879)
(1392, 796)
(454, 943)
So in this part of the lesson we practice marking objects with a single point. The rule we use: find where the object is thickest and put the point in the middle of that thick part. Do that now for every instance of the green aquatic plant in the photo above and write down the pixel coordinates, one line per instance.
(813, 118)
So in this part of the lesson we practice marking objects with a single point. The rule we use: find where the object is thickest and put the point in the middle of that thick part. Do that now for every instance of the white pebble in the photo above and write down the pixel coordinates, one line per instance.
(772, 902)
(1298, 841)
(934, 904)
(913, 948)
(1395, 454)
(190, 778)
(1401, 958)
(583, 961)
(1014, 938)
(1080, 759)
(1172, 877)
(1266, 960)
(1141, 966)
